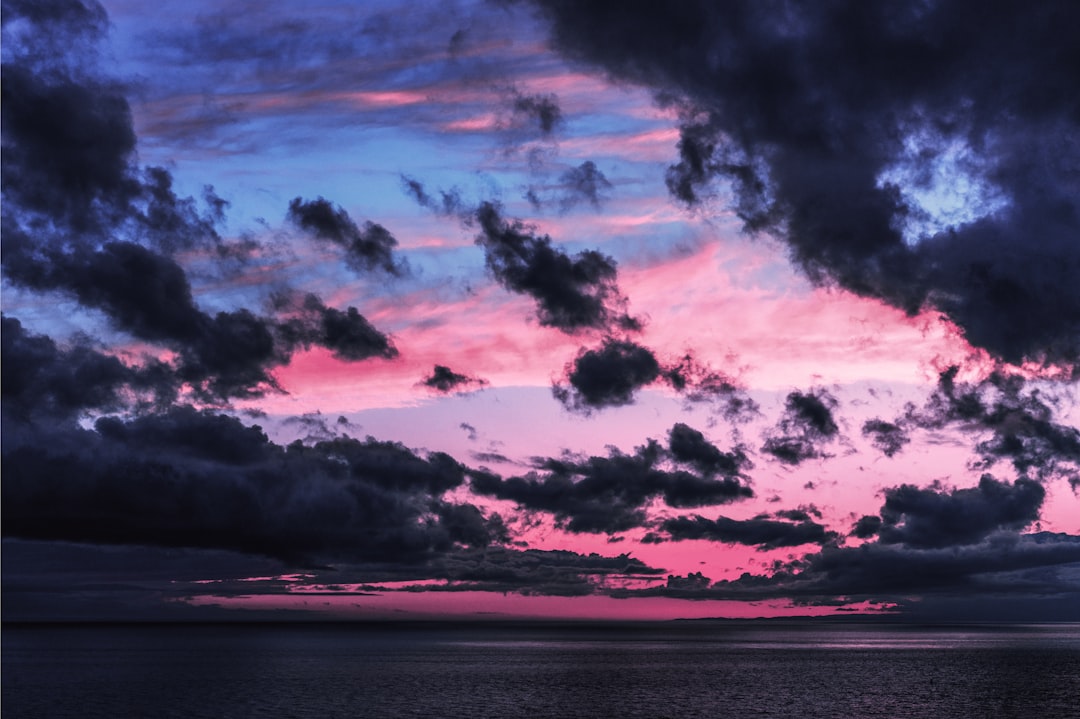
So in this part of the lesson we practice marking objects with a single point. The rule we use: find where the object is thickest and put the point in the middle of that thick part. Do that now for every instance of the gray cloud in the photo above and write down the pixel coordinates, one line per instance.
(608, 376)
(189, 478)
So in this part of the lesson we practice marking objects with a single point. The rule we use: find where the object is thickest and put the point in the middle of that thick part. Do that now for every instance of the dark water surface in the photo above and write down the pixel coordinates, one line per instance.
(676, 670)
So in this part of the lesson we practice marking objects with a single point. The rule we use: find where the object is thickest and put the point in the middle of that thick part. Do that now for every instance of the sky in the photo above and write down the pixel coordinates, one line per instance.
(535, 308)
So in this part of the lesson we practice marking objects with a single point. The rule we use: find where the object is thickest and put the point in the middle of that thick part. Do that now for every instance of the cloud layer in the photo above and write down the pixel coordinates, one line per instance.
(151, 338)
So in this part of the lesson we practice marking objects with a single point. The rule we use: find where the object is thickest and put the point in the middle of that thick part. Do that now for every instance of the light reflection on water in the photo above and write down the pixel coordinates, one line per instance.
(682, 669)
(796, 636)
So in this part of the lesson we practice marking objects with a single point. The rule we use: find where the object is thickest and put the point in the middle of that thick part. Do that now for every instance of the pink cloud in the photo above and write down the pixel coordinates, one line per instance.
(486, 122)
(721, 301)
(656, 145)
(491, 605)
(724, 298)
(385, 98)
(503, 347)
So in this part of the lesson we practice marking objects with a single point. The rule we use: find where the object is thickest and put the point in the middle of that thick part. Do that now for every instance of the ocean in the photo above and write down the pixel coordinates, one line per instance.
(677, 669)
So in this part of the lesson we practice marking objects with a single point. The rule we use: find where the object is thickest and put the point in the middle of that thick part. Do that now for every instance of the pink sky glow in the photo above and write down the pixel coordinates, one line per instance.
(687, 360)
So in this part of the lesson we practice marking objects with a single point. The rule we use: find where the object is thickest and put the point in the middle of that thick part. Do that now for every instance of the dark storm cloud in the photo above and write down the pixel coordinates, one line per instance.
(810, 413)
(611, 375)
(492, 457)
(348, 335)
(67, 149)
(761, 532)
(1019, 416)
(148, 295)
(180, 477)
(1036, 568)
(802, 513)
(43, 380)
(572, 293)
(69, 168)
(689, 446)
(533, 571)
(190, 478)
(366, 249)
(962, 545)
(173, 223)
(68, 140)
(828, 119)
(697, 383)
(887, 437)
(231, 355)
(608, 376)
(223, 355)
(610, 494)
(1021, 421)
(493, 568)
(791, 450)
(89, 17)
(932, 518)
(867, 526)
(49, 580)
(468, 526)
(1006, 564)
(932, 540)
(145, 293)
(807, 424)
(443, 379)
(81, 218)
(65, 581)
(692, 582)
